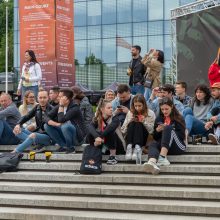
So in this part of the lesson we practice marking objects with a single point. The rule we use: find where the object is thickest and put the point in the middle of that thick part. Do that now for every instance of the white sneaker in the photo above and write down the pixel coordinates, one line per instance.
(134, 155)
(128, 154)
(213, 138)
(162, 161)
(151, 167)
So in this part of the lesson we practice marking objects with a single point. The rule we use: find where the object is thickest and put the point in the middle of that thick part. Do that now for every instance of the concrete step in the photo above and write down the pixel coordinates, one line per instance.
(113, 178)
(120, 167)
(210, 159)
(204, 148)
(112, 190)
(120, 204)
(59, 214)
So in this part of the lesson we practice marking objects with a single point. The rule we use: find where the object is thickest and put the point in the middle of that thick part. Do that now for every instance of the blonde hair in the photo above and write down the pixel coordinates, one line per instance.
(98, 114)
(23, 108)
(109, 91)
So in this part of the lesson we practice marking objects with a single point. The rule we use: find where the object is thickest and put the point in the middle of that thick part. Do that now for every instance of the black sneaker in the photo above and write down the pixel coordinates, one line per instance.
(70, 150)
(112, 160)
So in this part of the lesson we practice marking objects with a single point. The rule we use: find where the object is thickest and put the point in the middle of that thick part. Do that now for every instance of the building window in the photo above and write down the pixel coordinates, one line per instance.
(94, 13)
(124, 11)
(108, 11)
(80, 14)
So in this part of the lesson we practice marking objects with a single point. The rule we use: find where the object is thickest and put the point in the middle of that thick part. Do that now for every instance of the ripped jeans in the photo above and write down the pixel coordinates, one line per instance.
(30, 138)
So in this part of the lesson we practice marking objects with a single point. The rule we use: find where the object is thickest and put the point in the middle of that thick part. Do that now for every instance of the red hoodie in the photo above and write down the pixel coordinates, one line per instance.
(214, 73)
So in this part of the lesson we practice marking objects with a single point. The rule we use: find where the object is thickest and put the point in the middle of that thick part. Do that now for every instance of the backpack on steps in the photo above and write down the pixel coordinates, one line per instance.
(9, 161)
(91, 160)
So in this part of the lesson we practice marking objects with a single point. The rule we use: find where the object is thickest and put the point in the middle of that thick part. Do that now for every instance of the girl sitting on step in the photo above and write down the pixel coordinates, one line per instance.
(138, 124)
(169, 135)
(105, 130)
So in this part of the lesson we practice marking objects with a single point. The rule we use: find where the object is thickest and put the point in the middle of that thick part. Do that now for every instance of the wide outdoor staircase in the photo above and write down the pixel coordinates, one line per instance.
(187, 189)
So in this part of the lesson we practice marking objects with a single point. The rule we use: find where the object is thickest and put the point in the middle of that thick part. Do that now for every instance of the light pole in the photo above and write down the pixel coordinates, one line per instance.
(6, 47)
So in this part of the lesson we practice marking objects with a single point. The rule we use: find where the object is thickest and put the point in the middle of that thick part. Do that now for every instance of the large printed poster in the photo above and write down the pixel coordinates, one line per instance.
(198, 40)
(46, 27)
(65, 43)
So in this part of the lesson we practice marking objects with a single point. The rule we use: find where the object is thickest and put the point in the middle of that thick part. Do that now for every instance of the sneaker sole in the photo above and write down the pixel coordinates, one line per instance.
(212, 138)
(111, 163)
(148, 168)
(163, 164)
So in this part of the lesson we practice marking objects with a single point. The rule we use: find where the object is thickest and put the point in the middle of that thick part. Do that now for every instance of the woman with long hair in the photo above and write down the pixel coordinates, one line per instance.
(153, 62)
(105, 130)
(29, 103)
(31, 74)
(138, 124)
(196, 115)
(169, 135)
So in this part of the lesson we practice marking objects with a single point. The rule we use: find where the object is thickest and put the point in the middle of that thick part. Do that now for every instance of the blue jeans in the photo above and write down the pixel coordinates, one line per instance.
(147, 93)
(40, 139)
(6, 134)
(137, 89)
(194, 125)
(32, 88)
(64, 135)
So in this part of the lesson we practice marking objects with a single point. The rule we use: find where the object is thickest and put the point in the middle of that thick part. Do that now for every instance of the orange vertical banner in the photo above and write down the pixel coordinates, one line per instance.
(65, 43)
(37, 33)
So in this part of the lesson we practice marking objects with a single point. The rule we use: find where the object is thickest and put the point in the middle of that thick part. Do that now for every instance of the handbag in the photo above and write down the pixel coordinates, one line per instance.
(148, 82)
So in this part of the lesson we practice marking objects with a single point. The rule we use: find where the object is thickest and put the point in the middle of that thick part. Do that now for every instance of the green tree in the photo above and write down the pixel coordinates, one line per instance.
(3, 34)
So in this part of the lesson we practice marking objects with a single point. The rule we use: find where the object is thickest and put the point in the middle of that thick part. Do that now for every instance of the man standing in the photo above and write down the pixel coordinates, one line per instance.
(136, 71)
(9, 116)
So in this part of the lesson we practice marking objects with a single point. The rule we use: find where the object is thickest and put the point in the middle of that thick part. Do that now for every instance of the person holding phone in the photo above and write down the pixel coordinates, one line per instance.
(169, 135)
(214, 70)
(138, 124)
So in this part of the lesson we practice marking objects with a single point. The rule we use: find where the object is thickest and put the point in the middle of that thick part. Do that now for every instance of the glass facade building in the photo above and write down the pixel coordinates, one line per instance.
(104, 30)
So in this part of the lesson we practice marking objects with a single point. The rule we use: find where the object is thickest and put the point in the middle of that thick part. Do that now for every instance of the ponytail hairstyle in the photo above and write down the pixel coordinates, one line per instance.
(98, 114)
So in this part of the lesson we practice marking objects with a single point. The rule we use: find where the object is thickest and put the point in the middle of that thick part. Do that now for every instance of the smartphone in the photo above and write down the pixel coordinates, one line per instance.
(120, 106)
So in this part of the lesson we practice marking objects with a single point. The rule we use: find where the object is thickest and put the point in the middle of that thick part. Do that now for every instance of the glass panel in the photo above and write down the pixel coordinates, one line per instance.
(94, 13)
(94, 47)
(167, 27)
(108, 31)
(80, 33)
(16, 19)
(124, 54)
(109, 11)
(140, 10)
(155, 10)
(81, 74)
(156, 42)
(155, 27)
(94, 76)
(124, 11)
(80, 51)
(124, 30)
(184, 2)
(142, 41)
(140, 29)
(170, 4)
(122, 76)
(94, 32)
(167, 47)
(80, 14)
(109, 74)
(109, 50)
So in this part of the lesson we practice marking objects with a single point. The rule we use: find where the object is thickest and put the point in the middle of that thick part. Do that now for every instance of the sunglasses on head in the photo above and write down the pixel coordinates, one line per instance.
(164, 101)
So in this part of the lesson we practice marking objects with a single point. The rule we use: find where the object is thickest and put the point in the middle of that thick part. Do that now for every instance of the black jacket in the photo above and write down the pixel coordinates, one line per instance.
(179, 129)
(94, 132)
(137, 72)
(40, 117)
(74, 115)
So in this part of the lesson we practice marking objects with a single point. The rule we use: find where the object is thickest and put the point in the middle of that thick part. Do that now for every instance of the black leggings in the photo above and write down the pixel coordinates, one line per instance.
(136, 134)
(169, 140)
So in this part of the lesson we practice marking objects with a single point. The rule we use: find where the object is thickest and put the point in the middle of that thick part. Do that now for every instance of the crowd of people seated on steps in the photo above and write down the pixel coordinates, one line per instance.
(123, 123)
